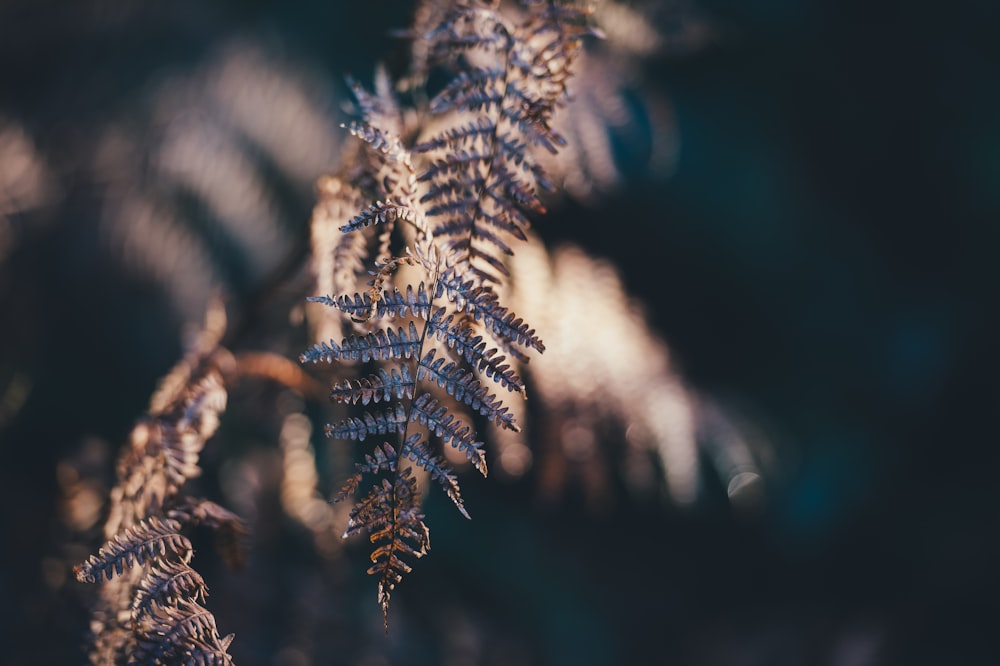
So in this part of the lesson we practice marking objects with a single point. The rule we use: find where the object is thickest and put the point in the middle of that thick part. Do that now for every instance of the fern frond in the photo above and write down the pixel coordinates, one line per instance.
(181, 634)
(464, 387)
(166, 584)
(371, 512)
(461, 135)
(467, 27)
(555, 35)
(363, 307)
(348, 488)
(382, 459)
(531, 119)
(452, 431)
(378, 213)
(381, 345)
(507, 187)
(150, 539)
(483, 304)
(379, 387)
(418, 451)
(387, 143)
(474, 141)
(393, 303)
(464, 201)
(481, 179)
(383, 269)
(381, 108)
(478, 89)
(329, 301)
(473, 349)
(381, 423)
(458, 161)
(162, 454)
(518, 154)
(392, 517)
(337, 259)
(181, 428)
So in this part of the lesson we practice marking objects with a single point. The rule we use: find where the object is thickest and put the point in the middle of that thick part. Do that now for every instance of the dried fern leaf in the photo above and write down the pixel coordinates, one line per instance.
(150, 539)
(480, 181)
(381, 345)
(464, 387)
(381, 108)
(418, 451)
(370, 423)
(380, 387)
(181, 634)
(483, 304)
(382, 459)
(380, 212)
(468, 27)
(385, 142)
(478, 89)
(425, 410)
(394, 303)
(166, 584)
(392, 517)
(471, 346)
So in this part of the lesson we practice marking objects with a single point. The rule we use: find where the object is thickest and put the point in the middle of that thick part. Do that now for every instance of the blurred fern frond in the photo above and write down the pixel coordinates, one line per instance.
(144, 566)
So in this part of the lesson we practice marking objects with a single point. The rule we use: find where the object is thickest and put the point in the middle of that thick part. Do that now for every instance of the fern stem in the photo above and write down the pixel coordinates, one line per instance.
(416, 362)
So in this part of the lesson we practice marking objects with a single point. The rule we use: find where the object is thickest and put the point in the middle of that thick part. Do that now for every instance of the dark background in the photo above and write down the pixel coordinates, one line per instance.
(822, 255)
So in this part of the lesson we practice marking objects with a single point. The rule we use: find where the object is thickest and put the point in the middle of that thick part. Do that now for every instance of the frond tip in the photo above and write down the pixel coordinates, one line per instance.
(391, 515)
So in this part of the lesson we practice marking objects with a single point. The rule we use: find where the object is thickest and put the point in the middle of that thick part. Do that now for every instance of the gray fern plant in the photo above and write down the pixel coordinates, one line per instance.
(451, 197)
